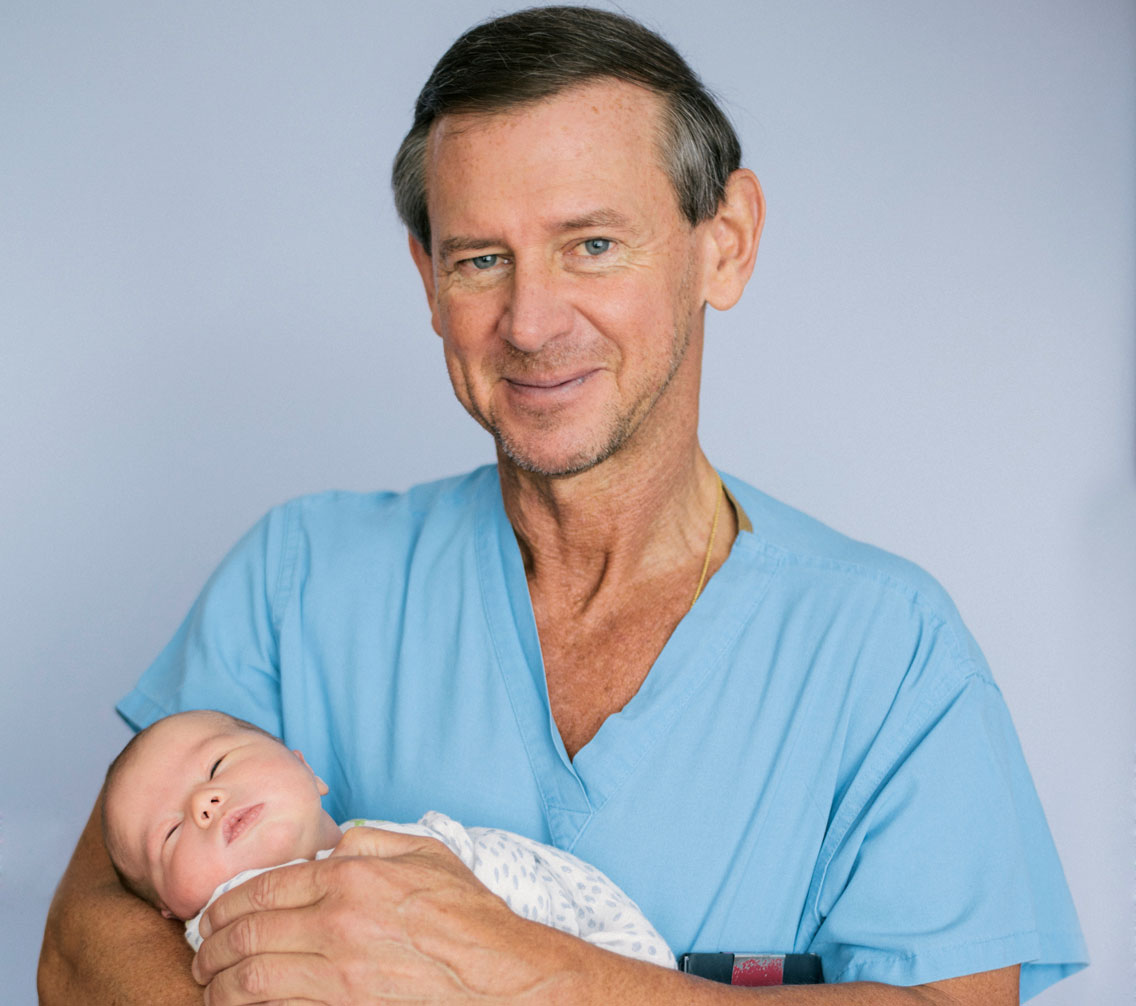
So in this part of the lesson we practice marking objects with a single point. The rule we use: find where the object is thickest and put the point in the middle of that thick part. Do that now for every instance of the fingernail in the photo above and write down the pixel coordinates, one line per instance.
(193, 970)
(205, 927)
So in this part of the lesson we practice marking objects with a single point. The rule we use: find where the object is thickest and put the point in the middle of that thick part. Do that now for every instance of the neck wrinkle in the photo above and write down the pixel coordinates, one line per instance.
(613, 526)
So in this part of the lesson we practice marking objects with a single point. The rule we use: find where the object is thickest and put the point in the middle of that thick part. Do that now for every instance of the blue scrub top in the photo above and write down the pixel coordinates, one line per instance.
(818, 761)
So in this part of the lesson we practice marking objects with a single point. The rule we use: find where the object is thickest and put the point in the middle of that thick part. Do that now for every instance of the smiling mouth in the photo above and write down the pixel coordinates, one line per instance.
(239, 821)
(549, 383)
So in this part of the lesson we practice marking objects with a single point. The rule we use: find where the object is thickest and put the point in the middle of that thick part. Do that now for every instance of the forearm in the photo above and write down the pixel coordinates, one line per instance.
(674, 989)
(391, 917)
(103, 945)
(582, 976)
(619, 981)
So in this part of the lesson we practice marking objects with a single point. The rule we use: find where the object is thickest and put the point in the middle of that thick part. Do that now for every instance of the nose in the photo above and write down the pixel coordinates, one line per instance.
(538, 310)
(206, 805)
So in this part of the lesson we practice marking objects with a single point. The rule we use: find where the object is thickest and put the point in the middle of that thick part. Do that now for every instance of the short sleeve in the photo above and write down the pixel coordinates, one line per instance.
(225, 655)
(939, 861)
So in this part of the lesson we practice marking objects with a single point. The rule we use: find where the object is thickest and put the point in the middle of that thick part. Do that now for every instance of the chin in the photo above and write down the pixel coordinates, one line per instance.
(541, 456)
(550, 466)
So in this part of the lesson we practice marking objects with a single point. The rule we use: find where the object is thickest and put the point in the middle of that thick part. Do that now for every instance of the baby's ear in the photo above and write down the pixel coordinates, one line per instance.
(322, 786)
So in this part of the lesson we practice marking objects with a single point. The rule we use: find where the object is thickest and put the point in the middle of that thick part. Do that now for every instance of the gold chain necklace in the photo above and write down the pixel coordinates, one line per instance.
(710, 547)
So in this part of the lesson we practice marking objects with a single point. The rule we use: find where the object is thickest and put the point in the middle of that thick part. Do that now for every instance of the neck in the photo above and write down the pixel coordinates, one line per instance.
(643, 513)
(619, 523)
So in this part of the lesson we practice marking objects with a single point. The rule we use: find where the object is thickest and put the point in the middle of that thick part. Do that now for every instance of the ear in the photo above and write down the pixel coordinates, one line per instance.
(321, 786)
(732, 238)
(425, 264)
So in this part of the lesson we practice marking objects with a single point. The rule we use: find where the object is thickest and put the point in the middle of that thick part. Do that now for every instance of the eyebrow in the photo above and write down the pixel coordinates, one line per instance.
(594, 218)
(462, 243)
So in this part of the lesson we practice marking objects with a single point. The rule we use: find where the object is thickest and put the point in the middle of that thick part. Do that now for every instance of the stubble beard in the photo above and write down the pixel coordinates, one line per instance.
(616, 430)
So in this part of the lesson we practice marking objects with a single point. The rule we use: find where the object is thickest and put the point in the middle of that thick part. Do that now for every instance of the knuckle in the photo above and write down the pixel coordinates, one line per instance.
(353, 872)
(244, 938)
(430, 847)
(347, 844)
(254, 978)
(263, 890)
(353, 836)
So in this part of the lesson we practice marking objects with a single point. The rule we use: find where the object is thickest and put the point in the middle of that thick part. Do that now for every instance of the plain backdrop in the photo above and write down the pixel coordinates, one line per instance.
(206, 307)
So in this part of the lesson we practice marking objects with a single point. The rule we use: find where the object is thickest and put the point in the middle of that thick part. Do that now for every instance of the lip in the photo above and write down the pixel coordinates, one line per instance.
(237, 822)
(551, 383)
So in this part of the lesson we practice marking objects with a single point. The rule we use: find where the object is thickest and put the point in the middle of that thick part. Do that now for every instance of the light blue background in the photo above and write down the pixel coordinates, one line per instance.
(206, 307)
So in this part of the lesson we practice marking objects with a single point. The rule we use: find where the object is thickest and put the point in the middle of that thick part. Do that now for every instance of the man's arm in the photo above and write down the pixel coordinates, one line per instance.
(103, 945)
(390, 917)
(990, 988)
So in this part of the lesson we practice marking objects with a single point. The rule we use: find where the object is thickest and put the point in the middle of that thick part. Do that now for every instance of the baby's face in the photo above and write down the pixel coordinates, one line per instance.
(203, 799)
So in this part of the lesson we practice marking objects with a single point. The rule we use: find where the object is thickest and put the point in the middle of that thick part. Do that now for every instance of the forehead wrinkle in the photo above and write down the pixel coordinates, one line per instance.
(603, 217)
(632, 107)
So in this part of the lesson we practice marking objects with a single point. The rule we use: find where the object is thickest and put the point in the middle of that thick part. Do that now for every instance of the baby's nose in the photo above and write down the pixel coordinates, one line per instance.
(207, 804)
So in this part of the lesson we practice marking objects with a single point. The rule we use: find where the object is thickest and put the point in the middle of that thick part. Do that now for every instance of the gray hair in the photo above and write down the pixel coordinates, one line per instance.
(533, 54)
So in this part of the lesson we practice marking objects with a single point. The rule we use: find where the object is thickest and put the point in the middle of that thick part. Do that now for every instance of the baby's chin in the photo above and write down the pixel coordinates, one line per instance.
(183, 907)
(179, 912)
(187, 903)
(276, 843)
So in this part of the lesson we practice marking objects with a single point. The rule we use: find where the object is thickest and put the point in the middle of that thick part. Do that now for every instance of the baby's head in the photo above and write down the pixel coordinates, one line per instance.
(200, 796)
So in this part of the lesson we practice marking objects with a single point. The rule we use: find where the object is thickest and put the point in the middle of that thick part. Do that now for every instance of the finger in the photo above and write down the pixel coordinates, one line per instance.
(275, 978)
(287, 887)
(281, 1002)
(394, 974)
(257, 934)
(380, 842)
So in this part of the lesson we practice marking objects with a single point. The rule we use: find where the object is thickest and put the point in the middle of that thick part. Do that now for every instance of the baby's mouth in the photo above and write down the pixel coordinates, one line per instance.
(238, 822)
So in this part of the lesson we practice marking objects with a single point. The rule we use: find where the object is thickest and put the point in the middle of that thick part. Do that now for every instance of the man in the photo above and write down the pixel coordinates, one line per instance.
(772, 737)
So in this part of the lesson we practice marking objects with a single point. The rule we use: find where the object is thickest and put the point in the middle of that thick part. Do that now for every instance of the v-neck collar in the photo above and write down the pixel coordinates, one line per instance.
(574, 790)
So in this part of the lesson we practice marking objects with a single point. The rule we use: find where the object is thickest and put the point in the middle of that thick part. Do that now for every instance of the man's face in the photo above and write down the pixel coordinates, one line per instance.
(564, 280)
(203, 800)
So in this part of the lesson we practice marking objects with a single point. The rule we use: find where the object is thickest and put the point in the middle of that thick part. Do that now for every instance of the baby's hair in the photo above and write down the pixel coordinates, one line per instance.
(124, 758)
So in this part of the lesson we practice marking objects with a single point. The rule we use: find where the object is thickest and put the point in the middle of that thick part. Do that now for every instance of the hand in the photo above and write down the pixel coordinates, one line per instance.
(387, 917)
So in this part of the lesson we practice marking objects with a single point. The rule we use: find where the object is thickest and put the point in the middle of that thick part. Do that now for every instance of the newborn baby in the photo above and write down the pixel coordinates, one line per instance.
(200, 801)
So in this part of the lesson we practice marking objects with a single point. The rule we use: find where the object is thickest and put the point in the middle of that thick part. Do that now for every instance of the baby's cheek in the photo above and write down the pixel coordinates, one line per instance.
(192, 880)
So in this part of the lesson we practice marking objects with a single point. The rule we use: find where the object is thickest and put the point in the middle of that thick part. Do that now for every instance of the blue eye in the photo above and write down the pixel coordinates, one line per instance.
(597, 246)
(484, 261)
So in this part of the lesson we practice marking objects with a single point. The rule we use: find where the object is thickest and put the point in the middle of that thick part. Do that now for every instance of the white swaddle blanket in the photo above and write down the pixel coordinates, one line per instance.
(538, 882)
